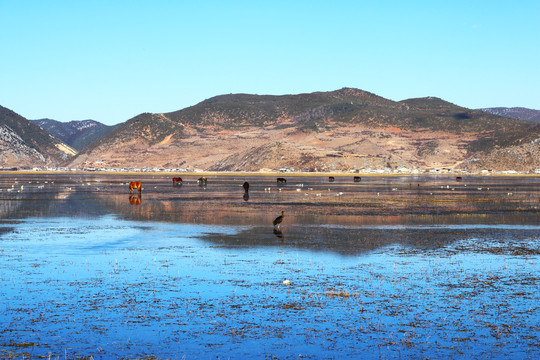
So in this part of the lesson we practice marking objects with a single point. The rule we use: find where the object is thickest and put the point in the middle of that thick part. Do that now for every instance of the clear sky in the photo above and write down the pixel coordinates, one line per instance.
(110, 60)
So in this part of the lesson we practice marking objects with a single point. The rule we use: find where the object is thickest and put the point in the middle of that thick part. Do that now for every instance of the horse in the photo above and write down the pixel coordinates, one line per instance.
(177, 181)
(135, 185)
(281, 180)
(331, 179)
(357, 179)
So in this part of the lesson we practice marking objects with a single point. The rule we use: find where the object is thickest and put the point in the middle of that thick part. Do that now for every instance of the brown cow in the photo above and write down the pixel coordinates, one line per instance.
(135, 185)
(202, 181)
(177, 181)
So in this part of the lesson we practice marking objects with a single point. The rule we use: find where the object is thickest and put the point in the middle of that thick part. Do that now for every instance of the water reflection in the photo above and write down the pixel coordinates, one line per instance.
(279, 234)
(135, 199)
(336, 216)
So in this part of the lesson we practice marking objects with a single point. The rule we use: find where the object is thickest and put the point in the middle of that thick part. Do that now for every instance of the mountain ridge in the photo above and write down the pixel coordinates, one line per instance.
(23, 143)
(204, 135)
(76, 133)
(520, 113)
(341, 130)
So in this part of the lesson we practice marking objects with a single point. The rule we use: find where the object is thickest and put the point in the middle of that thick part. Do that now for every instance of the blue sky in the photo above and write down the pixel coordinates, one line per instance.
(111, 60)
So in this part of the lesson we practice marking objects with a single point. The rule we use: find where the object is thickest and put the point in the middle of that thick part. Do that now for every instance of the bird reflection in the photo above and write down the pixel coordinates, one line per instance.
(279, 234)
(135, 199)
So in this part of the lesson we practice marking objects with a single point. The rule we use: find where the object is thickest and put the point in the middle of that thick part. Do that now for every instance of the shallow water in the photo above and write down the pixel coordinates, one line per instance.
(389, 267)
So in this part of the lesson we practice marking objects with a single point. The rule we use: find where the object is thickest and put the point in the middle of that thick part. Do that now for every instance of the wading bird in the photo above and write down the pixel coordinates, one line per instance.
(279, 219)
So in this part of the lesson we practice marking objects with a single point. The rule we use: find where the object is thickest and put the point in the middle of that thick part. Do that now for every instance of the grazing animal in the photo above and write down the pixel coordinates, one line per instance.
(331, 179)
(135, 185)
(281, 180)
(246, 187)
(202, 180)
(458, 178)
(177, 181)
(357, 179)
(277, 221)
(135, 199)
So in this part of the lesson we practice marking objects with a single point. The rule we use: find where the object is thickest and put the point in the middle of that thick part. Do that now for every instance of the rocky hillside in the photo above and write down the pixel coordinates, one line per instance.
(526, 155)
(23, 143)
(77, 134)
(344, 130)
(515, 113)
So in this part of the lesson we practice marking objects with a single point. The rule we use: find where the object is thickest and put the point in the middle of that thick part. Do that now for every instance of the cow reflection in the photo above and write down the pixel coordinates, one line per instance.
(135, 199)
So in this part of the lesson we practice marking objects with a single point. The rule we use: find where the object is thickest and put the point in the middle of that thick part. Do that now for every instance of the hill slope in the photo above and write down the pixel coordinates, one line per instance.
(345, 129)
(515, 113)
(22, 143)
(77, 134)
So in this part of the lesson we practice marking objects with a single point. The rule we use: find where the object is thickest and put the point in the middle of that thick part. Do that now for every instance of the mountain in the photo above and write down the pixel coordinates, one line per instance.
(77, 134)
(22, 143)
(346, 129)
(515, 113)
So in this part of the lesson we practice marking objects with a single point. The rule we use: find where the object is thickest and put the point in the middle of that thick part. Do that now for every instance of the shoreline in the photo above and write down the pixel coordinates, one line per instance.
(262, 174)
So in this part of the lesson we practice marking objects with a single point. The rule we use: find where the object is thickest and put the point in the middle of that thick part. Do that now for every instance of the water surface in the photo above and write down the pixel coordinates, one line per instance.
(389, 267)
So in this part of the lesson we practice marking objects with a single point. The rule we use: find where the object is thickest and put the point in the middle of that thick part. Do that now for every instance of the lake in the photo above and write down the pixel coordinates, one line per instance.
(387, 267)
